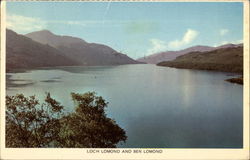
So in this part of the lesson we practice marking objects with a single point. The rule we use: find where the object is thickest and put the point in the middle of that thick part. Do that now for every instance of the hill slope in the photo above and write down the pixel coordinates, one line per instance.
(23, 52)
(223, 59)
(171, 55)
(81, 51)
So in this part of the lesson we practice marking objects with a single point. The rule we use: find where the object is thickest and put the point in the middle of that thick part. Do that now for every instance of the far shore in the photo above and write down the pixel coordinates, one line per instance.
(238, 80)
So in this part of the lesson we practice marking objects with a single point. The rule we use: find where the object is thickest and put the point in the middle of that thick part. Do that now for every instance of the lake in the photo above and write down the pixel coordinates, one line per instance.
(159, 107)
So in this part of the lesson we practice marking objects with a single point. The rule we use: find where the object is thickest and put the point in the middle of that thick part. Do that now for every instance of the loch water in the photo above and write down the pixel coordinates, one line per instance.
(158, 107)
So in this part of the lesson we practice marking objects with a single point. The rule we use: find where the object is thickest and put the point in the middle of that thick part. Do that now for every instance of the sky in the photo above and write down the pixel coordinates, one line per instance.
(134, 28)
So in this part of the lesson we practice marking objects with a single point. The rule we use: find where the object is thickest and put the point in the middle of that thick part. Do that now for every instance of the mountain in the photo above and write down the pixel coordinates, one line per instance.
(171, 55)
(225, 59)
(23, 52)
(81, 51)
(230, 45)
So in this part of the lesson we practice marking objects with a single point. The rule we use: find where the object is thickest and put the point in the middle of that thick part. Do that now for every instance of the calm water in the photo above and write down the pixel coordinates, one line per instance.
(157, 106)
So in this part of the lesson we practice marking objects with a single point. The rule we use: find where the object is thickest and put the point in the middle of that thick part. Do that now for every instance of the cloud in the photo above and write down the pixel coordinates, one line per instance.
(188, 37)
(157, 46)
(238, 41)
(24, 24)
(224, 32)
(160, 45)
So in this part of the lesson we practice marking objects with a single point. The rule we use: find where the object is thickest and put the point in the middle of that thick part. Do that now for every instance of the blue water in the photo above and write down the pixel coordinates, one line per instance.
(159, 107)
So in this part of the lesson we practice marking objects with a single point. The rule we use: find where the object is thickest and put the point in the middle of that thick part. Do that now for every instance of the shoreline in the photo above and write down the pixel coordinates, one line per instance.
(238, 80)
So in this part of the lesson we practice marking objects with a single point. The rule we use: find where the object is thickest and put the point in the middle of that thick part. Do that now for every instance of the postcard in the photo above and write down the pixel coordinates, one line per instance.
(125, 79)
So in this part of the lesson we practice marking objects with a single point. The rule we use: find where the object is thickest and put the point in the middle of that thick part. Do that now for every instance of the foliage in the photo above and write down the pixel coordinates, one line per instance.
(30, 124)
(88, 126)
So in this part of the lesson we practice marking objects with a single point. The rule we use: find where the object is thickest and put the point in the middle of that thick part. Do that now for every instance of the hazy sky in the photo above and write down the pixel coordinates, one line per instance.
(134, 28)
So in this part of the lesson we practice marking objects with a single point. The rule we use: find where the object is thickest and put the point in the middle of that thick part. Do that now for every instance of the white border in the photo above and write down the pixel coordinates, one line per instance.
(56, 153)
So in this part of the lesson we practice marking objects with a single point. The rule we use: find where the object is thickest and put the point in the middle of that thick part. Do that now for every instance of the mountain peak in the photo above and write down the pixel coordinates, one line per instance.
(48, 49)
(47, 37)
(229, 45)
(171, 55)
(44, 32)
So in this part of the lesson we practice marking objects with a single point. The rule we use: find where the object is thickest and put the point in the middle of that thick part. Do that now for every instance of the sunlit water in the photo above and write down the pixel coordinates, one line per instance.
(158, 107)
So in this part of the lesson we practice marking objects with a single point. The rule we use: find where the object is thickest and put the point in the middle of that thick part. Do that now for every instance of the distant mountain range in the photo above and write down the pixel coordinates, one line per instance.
(226, 58)
(80, 51)
(45, 49)
(171, 55)
(23, 52)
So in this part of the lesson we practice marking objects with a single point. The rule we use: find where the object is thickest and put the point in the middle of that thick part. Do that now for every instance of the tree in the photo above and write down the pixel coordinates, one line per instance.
(88, 126)
(29, 124)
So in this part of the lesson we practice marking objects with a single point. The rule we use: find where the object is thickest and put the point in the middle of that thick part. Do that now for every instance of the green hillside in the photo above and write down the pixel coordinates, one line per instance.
(224, 59)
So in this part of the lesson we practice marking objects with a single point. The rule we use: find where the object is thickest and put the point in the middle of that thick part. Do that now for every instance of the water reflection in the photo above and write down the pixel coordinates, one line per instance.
(157, 106)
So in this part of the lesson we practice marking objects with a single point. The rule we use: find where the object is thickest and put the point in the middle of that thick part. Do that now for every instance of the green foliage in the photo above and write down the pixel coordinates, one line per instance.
(88, 126)
(29, 124)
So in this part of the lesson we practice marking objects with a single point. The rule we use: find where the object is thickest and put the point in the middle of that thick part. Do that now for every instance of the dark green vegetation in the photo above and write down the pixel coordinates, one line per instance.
(223, 59)
(238, 80)
(31, 124)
